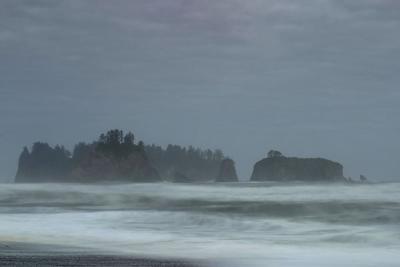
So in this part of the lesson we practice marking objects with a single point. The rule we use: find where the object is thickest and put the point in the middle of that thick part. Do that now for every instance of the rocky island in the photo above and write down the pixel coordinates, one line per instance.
(116, 157)
(185, 164)
(113, 157)
(277, 167)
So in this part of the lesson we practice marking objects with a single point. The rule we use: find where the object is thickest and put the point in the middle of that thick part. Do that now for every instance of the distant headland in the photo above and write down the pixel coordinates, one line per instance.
(115, 156)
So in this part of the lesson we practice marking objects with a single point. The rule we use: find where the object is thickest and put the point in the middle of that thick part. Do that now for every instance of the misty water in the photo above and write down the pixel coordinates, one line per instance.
(243, 224)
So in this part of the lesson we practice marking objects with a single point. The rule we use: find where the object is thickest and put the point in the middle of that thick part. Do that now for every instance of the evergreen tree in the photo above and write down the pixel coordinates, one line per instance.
(274, 154)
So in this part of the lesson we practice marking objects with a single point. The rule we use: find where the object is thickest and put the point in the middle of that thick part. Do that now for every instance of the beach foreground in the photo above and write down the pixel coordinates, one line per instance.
(87, 260)
(26, 254)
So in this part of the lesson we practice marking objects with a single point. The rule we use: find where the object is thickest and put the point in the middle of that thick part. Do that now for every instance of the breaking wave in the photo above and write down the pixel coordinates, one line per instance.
(164, 219)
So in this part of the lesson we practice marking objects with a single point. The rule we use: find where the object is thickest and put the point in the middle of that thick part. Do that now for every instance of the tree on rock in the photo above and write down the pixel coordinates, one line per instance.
(115, 143)
(274, 154)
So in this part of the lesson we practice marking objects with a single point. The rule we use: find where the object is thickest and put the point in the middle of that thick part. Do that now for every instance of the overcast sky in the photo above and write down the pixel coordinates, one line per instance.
(310, 78)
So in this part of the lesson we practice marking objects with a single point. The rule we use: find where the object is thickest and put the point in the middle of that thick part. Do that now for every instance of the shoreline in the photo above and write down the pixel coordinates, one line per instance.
(90, 260)
(29, 254)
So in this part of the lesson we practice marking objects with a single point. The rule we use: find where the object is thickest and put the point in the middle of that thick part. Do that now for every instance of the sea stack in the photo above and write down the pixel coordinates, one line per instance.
(227, 171)
(113, 157)
(277, 167)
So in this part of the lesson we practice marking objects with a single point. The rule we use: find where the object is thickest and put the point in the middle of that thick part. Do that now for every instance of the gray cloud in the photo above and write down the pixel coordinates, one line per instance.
(312, 78)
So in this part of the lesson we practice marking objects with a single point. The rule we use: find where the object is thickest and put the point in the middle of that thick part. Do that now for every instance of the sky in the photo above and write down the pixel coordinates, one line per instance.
(311, 78)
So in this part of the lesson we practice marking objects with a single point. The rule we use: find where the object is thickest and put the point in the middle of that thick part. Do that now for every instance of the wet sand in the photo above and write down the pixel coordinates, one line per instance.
(25, 254)
(88, 260)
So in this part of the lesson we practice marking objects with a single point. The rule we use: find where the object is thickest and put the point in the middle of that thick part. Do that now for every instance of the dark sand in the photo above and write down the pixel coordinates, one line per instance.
(88, 260)
(24, 254)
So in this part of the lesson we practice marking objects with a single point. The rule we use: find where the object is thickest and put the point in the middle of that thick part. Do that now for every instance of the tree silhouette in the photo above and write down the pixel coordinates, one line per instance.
(274, 154)
(189, 161)
(114, 143)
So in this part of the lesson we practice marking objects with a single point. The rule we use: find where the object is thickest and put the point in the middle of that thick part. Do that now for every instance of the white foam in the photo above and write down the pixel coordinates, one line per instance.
(107, 218)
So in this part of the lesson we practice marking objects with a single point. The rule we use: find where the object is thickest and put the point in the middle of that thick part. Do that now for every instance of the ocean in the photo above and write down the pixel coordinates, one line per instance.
(233, 224)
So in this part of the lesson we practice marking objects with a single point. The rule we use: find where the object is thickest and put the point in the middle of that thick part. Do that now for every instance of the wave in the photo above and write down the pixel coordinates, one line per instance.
(239, 224)
(343, 211)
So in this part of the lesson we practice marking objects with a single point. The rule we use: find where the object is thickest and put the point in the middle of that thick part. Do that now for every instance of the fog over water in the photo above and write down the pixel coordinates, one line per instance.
(309, 78)
(246, 224)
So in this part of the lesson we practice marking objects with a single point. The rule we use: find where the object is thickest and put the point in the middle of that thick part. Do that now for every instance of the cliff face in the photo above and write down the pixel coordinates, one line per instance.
(227, 171)
(43, 164)
(300, 169)
(100, 167)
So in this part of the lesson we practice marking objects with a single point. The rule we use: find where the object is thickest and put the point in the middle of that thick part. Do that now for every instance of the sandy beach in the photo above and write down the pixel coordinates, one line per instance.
(86, 260)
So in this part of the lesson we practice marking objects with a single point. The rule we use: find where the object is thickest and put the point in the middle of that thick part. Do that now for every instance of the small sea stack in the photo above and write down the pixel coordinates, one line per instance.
(363, 179)
(227, 171)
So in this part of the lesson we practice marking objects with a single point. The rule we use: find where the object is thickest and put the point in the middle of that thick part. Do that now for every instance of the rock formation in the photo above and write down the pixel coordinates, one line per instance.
(97, 166)
(227, 171)
(43, 164)
(363, 179)
(114, 157)
(281, 168)
(185, 164)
